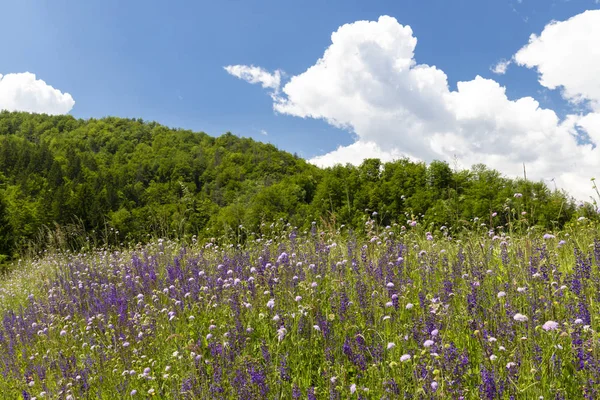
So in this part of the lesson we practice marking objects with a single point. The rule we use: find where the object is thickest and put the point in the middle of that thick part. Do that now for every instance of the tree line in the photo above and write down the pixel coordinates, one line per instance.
(123, 179)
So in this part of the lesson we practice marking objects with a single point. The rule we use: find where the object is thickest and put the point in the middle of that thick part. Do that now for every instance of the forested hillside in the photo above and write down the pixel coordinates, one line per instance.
(124, 179)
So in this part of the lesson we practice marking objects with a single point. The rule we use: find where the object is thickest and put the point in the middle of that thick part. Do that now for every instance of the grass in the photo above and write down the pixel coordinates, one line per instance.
(311, 315)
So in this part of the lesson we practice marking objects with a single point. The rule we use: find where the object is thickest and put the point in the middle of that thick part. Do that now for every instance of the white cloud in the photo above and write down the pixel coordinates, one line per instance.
(23, 92)
(567, 55)
(357, 151)
(501, 67)
(252, 74)
(369, 82)
(264, 132)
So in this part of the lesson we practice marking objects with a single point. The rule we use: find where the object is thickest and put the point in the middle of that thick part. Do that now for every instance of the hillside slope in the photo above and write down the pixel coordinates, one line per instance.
(122, 179)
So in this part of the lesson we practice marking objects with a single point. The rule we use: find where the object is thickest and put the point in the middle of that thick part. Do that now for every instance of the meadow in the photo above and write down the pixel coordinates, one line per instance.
(399, 312)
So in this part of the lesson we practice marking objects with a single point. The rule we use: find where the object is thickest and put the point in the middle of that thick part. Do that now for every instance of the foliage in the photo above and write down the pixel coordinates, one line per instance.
(118, 180)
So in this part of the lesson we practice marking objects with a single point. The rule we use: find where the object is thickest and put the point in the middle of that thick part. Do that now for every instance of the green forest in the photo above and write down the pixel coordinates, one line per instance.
(68, 181)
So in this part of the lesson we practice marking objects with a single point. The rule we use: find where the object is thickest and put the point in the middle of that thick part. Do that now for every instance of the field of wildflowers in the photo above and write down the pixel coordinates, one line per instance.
(401, 313)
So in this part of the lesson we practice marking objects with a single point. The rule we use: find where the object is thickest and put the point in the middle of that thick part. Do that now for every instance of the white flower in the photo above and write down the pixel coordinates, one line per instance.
(281, 333)
(271, 303)
(391, 345)
(409, 306)
(405, 357)
(520, 317)
(428, 343)
(353, 388)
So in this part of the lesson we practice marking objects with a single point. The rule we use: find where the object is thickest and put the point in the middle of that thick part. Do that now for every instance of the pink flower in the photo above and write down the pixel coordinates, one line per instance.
(550, 326)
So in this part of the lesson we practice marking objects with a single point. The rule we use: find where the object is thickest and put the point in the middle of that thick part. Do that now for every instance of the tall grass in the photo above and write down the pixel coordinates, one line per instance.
(399, 313)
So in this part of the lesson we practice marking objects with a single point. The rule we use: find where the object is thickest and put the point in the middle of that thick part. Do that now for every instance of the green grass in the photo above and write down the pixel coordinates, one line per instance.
(197, 316)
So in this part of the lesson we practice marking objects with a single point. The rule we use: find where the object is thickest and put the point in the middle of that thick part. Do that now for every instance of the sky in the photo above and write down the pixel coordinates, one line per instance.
(499, 82)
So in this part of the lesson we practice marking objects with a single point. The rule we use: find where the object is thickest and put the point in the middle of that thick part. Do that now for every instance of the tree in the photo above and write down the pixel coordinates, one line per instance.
(6, 232)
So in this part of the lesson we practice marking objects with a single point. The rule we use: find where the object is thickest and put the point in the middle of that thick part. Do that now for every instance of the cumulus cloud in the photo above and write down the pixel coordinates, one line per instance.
(357, 151)
(567, 56)
(24, 92)
(369, 82)
(501, 67)
(252, 74)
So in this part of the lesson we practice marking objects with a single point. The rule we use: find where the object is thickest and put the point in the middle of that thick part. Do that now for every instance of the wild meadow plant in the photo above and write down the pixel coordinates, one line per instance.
(401, 313)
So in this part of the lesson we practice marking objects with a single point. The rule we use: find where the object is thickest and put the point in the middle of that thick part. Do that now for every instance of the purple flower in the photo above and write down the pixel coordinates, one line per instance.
(550, 326)
(296, 393)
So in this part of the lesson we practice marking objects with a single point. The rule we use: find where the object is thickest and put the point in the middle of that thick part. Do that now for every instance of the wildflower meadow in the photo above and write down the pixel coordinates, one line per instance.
(401, 312)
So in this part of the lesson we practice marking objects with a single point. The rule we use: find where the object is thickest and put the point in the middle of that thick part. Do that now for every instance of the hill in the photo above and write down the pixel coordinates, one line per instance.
(70, 182)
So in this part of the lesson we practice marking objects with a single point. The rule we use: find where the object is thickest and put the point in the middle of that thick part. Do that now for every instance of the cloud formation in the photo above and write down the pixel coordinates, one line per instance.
(252, 74)
(567, 56)
(24, 92)
(368, 81)
(501, 67)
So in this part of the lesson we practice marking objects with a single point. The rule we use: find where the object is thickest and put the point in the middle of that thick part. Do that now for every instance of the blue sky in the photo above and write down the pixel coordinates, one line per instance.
(164, 61)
